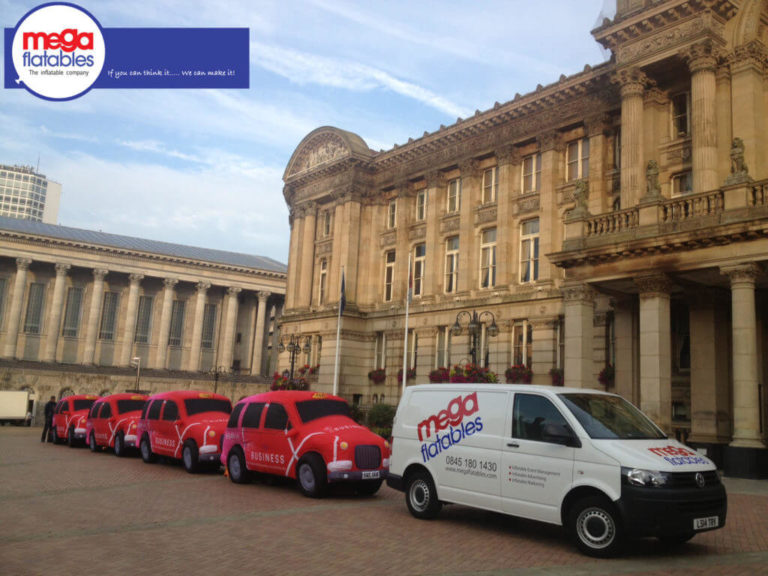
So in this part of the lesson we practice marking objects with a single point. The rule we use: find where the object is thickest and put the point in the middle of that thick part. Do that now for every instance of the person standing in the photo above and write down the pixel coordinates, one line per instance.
(48, 428)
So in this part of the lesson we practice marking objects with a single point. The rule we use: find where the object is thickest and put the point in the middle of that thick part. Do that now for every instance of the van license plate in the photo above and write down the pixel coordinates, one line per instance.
(704, 523)
(375, 474)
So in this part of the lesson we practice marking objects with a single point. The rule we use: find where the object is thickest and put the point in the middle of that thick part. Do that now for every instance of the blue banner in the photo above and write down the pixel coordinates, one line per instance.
(165, 58)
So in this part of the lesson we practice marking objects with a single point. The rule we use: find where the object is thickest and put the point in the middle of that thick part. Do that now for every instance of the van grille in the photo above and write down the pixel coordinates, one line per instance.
(367, 457)
(702, 507)
(688, 479)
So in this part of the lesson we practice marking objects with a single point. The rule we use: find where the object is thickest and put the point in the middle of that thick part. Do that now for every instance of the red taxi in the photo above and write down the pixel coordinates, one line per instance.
(184, 425)
(112, 422)
(70, 418)
(308, 436)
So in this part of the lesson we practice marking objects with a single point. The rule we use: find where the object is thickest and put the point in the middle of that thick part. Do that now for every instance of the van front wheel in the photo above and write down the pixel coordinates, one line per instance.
(421, 496)
(595, 526)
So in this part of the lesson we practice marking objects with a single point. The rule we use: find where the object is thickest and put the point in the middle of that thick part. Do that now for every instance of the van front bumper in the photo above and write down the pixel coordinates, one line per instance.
(670, 511)
(395, 482)
(357, 476)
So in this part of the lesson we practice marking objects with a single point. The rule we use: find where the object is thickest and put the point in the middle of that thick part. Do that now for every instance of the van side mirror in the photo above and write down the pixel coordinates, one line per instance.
(560, 434)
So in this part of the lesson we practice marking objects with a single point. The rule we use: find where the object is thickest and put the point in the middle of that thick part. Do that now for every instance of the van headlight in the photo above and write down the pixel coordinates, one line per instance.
(648, 478)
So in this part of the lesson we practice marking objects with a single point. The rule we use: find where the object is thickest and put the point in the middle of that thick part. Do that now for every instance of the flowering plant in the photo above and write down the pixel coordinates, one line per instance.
(607, 376)
(410, 375)
(471, 373)
(282, 382)
(378, 375)
(441, 374)
(310, 370)
(519, 373)
(558, 378)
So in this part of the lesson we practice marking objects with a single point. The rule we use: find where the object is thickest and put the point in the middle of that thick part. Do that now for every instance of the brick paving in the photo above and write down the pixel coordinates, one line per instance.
(67, 511)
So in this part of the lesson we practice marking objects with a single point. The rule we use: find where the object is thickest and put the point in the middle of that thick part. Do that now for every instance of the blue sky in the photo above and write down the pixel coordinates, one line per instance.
(204, 167)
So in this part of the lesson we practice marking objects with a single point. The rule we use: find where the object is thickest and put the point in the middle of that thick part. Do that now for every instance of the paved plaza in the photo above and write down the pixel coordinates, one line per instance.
(70, 512)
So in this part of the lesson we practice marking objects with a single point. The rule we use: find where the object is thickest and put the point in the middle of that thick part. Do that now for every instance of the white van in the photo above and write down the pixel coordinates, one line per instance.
(581, 458)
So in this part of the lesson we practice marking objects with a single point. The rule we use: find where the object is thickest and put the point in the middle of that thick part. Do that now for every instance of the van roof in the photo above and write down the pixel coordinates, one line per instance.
(507, 387)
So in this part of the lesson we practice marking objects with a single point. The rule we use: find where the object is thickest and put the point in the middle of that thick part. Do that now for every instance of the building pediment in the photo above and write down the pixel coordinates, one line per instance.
(323, 148)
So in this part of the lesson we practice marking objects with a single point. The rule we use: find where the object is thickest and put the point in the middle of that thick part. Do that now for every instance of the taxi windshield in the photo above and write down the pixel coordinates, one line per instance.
(313, 409)
(83, 404)
(610, 417)
(124, 406)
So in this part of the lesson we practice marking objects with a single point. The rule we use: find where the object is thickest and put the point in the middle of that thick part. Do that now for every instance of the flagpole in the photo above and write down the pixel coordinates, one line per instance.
(407, 305)
(338, 337)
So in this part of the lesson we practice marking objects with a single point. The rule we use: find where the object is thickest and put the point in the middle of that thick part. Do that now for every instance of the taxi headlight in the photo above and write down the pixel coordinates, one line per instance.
(343, 445)
(212, 434)
(647, 478)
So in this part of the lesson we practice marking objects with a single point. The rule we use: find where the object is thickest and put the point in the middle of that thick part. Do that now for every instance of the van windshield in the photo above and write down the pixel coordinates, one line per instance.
(83, 404)
(610, 417)
(313, 409)
(124, 406)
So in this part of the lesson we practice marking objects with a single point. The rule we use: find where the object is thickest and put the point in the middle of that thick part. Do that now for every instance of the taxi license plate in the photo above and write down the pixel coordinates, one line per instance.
(370, 475)
(704, 523)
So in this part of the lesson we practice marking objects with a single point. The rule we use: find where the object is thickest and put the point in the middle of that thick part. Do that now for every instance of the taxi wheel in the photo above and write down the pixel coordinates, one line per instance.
(238, 472)
(71, 437)
(56, 439)
(92, 443)
(120, 445)
(146, 450)
(595, 526)
(368, 488)
(189, 455)
(311, 475)
(421, 496)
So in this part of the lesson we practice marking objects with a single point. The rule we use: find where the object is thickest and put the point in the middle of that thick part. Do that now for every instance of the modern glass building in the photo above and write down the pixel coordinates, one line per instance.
(26, 194)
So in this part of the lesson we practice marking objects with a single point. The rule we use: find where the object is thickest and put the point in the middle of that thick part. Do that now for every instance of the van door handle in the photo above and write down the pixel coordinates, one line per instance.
(513, 444)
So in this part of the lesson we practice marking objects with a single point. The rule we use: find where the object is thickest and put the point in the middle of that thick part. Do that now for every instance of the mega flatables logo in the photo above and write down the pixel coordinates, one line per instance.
(58, 51)
(451, 418)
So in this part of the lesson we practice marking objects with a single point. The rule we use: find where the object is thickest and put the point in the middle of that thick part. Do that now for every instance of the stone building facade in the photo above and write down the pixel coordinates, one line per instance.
(611, 224)
(89, 312)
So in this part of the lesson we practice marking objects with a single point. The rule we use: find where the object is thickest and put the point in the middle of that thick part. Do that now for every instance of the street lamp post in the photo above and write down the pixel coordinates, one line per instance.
(475, 322)
(217, 371)
(136, 361)
(294, 347)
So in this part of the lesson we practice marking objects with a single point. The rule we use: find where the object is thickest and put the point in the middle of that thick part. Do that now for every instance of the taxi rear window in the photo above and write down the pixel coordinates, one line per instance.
(200, 405)
(124, 406)
(313, 409)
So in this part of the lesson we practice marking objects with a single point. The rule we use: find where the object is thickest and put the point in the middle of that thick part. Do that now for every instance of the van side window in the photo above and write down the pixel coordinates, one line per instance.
(94, 410)
(171, 411)
(277, 417)
(235, 416)
(145, 409)
(63, 407)
(106, 411)
(154, 410)
(531, 414)
(252, 416)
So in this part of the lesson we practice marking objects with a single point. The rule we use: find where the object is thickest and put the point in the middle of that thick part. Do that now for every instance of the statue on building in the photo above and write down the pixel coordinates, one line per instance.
(580, 196)
(652, 187)
(739, 170)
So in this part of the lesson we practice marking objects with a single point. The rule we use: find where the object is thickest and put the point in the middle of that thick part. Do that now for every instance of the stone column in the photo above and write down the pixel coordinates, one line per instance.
(258, 338)
(53, 324)
(130, 319)
(508, 162)
(703, 65)
(625, 327)
(469, 237)
(632, 84)
(292, 282)
(656, 349)
(436, 260)
(14, 314)
(91, 328)
(746, 404)
(230, 325)
(579, 307)
(307, 257)
(544, 346)
(709, 372)
(193, 364)
(161, 347)
(748, 101)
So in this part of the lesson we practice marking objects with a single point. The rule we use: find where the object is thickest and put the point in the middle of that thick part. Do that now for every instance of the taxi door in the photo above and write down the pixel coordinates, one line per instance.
(153, 417)
(250, 430)
(168, 433)
(273, 441)
(101, 425)
(60, 418)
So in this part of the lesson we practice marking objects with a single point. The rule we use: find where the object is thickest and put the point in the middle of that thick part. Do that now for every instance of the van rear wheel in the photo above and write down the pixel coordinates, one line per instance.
(421, 496)
(120, 445)
(596, 528)
(92, 443)
(189, 455)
